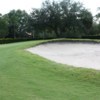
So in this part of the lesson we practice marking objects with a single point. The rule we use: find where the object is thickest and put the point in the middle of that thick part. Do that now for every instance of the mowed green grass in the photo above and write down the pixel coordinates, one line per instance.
(24, 76)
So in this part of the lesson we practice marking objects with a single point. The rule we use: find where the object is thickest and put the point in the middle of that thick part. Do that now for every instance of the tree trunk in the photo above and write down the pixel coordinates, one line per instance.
(57, 32)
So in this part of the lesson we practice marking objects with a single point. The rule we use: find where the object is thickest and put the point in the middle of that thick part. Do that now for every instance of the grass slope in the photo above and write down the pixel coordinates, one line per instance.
(24, 76)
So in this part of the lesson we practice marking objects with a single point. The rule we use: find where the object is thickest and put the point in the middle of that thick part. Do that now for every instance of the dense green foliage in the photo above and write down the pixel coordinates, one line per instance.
(66, 18)
(24, 76)
(15, 24)
(11, 40)
(91, 37)
(62, 19)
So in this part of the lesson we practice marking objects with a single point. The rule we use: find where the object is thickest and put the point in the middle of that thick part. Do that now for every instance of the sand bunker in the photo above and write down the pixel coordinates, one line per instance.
(85, 55)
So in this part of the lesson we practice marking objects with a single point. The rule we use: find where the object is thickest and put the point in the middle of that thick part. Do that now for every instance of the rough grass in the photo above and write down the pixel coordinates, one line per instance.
(24, 76)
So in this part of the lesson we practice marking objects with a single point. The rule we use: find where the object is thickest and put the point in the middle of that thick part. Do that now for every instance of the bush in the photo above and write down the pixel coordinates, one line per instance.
(91, 37)
(11, 40)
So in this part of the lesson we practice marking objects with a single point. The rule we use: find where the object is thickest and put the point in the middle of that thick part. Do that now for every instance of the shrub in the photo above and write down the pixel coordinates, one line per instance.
(11, 40)
(91, 37)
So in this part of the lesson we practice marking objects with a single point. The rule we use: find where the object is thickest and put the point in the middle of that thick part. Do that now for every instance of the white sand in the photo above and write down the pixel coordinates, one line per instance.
(85, 55)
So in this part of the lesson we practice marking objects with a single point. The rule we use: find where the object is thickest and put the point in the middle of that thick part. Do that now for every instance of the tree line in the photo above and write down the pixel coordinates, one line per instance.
(53, 20)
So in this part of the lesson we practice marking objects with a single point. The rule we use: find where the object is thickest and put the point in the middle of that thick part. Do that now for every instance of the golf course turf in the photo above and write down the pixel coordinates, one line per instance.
(25, 76)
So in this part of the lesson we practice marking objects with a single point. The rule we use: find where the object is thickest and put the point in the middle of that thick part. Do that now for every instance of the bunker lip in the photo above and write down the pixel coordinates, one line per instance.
(79, 54)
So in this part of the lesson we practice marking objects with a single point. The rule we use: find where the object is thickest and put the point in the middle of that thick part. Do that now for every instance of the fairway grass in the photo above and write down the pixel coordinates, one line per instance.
(24, 76)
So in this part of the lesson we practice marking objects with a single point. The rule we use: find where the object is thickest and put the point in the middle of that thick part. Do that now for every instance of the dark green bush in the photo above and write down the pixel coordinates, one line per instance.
(91, 37)
(11, 40)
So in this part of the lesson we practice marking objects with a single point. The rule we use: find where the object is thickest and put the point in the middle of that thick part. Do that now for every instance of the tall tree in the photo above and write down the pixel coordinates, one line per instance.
(18, 23)
(65, 18)
(87, 20)
(3, 27)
